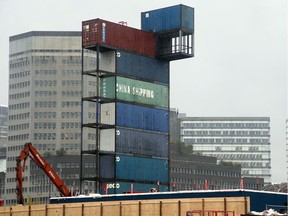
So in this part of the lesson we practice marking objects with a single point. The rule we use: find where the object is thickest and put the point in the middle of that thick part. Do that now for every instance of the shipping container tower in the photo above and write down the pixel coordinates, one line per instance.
(129, 130)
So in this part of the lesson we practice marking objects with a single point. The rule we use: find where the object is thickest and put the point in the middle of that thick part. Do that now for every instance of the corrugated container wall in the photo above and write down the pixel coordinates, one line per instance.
(179, 17)
(127, 187)
(139, 142)
(141, 168)
(142, 67)
(133, 116)
(134, 91)
(117, 36)
(135, 142)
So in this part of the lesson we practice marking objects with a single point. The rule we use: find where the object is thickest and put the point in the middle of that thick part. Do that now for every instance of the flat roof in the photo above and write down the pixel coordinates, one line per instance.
(46, 33)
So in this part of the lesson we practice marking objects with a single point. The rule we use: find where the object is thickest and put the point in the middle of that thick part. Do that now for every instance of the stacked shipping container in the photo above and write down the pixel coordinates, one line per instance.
(133, 105)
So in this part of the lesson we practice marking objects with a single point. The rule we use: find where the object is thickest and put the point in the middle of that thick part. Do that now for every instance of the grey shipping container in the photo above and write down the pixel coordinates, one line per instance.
(178, 17)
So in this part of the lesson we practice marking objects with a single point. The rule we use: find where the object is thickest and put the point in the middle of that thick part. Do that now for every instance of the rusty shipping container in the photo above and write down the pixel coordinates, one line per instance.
(117, 36)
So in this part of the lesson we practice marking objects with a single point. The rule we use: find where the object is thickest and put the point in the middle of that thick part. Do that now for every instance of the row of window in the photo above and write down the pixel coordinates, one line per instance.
(18, 127)
(39, 60)
(226, 133)
(71, 82)
(18, 106)
(19, 64)
(19, 85)
(70, 125)
(70, 136)
(45, 104)
(44, 136)
(70, 146)
(45, 93)
(20, 137)
(71, 72)
(19, 74)
(71, 93)
(45, 115)
(45, 125)
(71, 103)
(241, 156)
(230, 148)
(225, 125)
(68, 165)
(45, 72)
(19, 95)
(45, 83)
(225, 141)
(70, 114)
(204, 172)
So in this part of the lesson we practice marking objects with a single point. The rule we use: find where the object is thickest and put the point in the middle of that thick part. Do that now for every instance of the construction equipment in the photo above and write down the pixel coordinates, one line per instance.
(30, 151)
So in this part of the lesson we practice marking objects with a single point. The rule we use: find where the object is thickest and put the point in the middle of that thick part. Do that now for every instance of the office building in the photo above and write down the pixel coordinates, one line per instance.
(44, 102)
(240, 140)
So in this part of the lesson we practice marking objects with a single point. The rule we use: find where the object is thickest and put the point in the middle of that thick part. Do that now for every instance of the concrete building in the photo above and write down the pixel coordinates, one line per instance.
(241, 140)
(3, 125)
(44, 100)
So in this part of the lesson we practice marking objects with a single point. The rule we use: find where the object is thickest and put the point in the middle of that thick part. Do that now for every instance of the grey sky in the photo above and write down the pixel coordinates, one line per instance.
(240, 63)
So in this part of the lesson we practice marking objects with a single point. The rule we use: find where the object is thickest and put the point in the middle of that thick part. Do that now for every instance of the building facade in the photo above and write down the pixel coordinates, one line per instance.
(241, 140)
(3, 125)
(44, 101)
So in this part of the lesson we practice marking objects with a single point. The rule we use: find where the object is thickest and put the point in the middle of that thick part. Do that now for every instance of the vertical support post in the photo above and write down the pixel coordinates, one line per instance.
(46, 210)
(82, 210)
(245, 204)
(139, 212)
(29, 210)
(101, 209)
(225, 206)
(97, 183)
(63, 210)
(179, 208)
(160, 208)
(82, 117)
(203, 206)
(180, 41)
(120, 209)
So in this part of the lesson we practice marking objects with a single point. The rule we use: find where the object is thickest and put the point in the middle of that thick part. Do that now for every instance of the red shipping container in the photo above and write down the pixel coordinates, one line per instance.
(117, 36)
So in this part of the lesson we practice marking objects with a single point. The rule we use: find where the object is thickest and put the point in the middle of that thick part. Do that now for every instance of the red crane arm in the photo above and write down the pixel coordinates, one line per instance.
(30, 151)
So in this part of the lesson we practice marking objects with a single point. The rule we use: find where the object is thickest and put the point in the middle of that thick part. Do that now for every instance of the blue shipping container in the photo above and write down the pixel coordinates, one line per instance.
(145, 118)
(140, 168)
(141, 142)
(178, 17)
(142, 67)
(107, 166)
(127, 187)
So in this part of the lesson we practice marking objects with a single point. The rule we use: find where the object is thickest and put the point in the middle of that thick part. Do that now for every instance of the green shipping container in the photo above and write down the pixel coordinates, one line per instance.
(132, 90)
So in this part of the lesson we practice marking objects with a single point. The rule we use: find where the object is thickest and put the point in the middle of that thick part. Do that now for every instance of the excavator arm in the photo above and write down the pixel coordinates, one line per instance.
(30, 151)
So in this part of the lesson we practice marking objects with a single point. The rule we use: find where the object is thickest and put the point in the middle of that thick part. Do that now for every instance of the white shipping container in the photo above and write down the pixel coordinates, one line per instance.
(107, 61)
(108, 113)
(107, 140)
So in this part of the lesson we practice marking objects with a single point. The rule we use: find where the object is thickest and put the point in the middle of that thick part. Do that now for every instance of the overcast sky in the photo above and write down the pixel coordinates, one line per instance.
(240, 63)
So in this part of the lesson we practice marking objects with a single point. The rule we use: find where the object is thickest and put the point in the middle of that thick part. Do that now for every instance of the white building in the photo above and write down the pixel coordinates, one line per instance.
(44, 101)
(244, 140)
